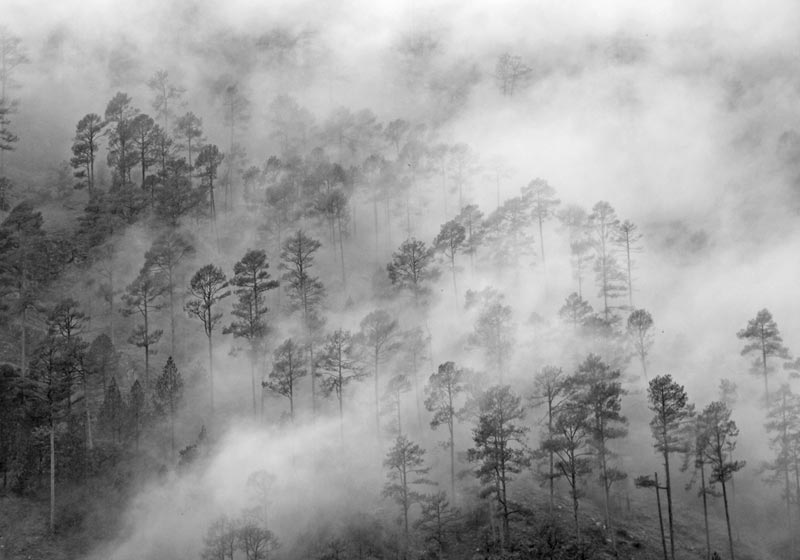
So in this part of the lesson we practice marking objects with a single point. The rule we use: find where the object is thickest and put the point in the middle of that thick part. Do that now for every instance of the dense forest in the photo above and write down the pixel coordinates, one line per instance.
(272, 291)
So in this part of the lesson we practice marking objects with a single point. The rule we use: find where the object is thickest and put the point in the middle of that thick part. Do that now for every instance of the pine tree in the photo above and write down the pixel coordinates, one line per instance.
(379, 338)
(640, 323)
(412, 268)
(763, 337)
(84, 150)
(550, 390)
(140, 297)
(306, 292)
(543, 203)
(573, 452)
(604, 225)
(339, 362)
(669, 402)
(251, 280)
(168, 397)
(722, 432)
(289, 365)
(443, 392)
(166, 254)
(500, 449)
(405, 464)
(208, 287)
(599, 390)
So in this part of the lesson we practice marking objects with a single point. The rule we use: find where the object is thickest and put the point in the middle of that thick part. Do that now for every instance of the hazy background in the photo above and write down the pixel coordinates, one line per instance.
(682, 115)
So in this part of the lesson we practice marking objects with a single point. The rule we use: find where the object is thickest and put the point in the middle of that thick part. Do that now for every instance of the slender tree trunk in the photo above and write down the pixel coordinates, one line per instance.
(253, 358)
(87, 412)
(705, 509)
(171, 288)
(452, 443)
(574, 484)
(669, 493)
(541, 244)
(661, 519)
(727, 518)
(341, 408)
(211, 373)
(24, 341)
(377, 399)
(630, 278)
(341, 253)
(375, 211)
(52, 475)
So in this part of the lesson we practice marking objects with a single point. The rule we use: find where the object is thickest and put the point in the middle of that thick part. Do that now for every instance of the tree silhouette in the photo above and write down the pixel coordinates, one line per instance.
(339, 362)
(640, 323)
(166, 254)
(669, 402)
(289, 365)
(168, 397)
(722, 432)
(379, 337)
(443, 391)
(251, 280)
(412, 267)
(140, 297)
(208, 287)
(405, 464)
(763, 338)
(499, 451)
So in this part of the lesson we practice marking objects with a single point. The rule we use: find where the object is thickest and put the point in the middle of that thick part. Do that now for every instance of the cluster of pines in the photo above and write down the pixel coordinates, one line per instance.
(80, 395)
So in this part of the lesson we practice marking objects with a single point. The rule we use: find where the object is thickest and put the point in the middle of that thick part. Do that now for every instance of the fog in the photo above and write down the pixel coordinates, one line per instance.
(681, 115)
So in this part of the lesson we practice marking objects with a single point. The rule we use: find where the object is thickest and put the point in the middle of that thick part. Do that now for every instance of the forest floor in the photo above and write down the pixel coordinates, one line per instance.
(24, 531)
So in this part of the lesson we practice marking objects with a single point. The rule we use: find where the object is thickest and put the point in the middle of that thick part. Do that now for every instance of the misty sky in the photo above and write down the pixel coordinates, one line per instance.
(684, 115)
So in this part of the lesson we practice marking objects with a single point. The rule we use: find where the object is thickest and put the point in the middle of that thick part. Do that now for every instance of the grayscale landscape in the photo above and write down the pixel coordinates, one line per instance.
(399, 280)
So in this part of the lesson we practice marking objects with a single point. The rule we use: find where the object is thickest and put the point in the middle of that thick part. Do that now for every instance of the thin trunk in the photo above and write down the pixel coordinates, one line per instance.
(541, 244)
(727, 518)
(253, 358)
(172, 427)
(452, 462)
(661, 518)
(669, 492)
(574, 484)
(24, 342)
(341, 408)
(705, 509)
(377, 398)
(313, 379)
(630, 278)
(211, 373)
(375, 210)
(341, 254)
(415, 372)
(86, 403)
(171, 313)
(52, 475)
(146, 350)
(552, 458)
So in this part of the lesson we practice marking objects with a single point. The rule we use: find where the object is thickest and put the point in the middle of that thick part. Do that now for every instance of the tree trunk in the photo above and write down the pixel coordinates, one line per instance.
(211, 374)
(552, 458)
(661, 518)
(86, 403)
(52, 476)
(253, 358)
(669, 493)
(727, 518)
(377, 399)
(705, 509)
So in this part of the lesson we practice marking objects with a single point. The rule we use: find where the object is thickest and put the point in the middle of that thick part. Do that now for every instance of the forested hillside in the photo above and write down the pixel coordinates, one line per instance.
(362, 282)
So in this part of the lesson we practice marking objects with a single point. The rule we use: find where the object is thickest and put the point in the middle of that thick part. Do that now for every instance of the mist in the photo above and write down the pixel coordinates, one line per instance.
(682, 116)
